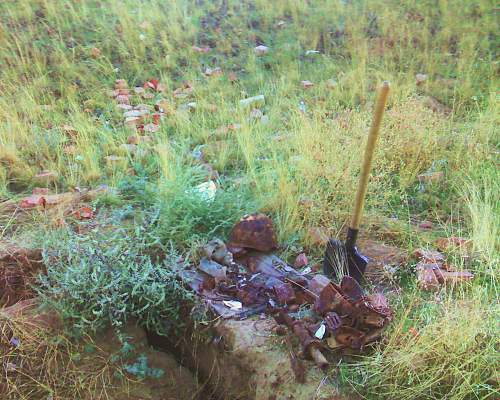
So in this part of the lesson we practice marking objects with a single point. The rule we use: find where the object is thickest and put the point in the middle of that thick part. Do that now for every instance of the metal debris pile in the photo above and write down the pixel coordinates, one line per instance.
(243, 279)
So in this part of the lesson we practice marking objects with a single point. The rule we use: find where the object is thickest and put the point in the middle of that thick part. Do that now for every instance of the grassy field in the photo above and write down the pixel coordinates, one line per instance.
(297, 159)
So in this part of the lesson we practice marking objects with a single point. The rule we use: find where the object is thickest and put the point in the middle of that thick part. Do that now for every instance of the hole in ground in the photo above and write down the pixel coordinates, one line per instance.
(209, 389)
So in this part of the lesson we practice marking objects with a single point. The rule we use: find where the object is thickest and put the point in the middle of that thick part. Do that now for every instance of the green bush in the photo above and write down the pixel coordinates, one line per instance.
(105, 277)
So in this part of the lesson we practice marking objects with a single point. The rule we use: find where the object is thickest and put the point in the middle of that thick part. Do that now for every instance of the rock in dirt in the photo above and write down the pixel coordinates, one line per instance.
(121, 84)
(383, 259)
(52, 205)
(426, 225)
(431, 177)
(212, 268)
(46, 177)
(420, 79)
(45, 200)
(217, 71)
(454, 243)
(331, 84)
(216, 250)
(429, 256)
(306, 84)
(436, 106)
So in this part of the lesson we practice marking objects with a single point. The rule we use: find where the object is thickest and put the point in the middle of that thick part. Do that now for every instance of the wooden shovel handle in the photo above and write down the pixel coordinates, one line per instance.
(367, 160)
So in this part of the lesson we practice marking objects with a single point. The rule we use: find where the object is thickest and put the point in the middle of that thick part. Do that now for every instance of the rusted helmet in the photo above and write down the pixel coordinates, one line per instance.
(255, 231)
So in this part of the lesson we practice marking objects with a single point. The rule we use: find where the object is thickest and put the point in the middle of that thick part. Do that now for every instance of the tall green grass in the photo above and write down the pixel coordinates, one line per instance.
(444, 345)
(300, 167)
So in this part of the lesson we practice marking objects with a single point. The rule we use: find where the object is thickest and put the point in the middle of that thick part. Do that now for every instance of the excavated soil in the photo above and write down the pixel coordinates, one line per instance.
(230, 359)
(246, 360)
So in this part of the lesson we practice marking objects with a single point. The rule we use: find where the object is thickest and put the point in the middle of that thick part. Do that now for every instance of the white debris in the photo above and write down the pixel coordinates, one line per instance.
(233, 304)
(321, 331)
(261, 50)
(207, 190)
(135, 113)
(420, 78)
(253, 101)
(188, 106)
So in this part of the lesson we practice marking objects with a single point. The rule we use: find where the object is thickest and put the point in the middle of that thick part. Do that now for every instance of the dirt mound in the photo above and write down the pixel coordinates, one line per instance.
(19, 268)
(40, 362)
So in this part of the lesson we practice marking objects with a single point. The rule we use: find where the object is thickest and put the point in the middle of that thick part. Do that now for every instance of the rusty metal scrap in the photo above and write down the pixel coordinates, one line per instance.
(320, 313)
(354, 314)
(353, 319)
(297, 364)
(311, 346)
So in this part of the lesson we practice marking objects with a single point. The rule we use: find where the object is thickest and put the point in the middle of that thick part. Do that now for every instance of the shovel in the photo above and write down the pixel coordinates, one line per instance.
(344, 258)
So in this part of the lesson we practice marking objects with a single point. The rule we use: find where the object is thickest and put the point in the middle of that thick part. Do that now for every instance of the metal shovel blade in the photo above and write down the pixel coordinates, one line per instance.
(341, 260)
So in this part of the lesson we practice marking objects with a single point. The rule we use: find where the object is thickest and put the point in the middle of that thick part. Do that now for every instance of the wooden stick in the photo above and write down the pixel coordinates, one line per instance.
(367, 160)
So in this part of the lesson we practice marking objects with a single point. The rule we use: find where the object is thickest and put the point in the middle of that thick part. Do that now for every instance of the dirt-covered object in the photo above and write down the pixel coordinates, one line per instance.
(311, 346)
(19, 268)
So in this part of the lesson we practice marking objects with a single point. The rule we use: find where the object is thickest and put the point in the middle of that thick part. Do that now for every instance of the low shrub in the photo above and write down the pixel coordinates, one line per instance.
(106, 277)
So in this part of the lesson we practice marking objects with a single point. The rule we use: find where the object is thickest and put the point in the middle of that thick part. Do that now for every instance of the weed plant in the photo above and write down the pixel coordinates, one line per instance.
(105, 278)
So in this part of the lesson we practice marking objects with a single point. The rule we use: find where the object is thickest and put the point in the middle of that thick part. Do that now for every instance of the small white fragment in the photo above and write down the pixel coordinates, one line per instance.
(135, 113)
(233, 304)
(261, 50)
(320, 332)
(420, 78)
(213, 71)
(188, 106)
(306, 271)
(207, 190)
(253, 101)
(309, 52)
